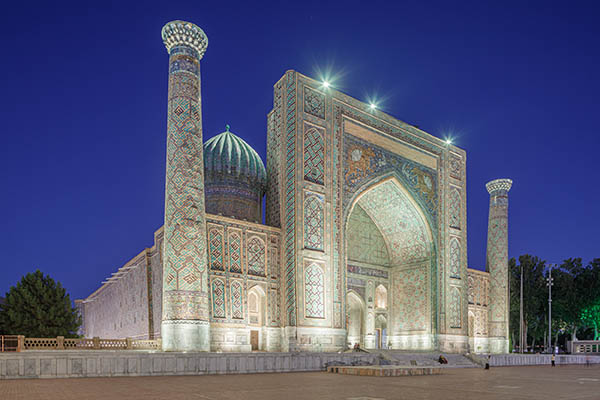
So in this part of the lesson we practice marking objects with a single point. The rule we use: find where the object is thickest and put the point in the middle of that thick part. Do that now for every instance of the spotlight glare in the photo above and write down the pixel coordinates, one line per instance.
(373, 106)
(325, 84)
(449, 141)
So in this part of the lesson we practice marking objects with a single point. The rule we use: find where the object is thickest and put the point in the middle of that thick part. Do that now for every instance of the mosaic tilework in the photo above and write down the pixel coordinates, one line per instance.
(273, 307)
(185, 249)
(454, 309)
(455, 167)
(454, 209)
(215, 249)
(290, 199)
(410, 299)
(314, 291)
(365, 161)
(314, 148)
(471, 292)
(365, 241)
(218, 298)
(399, 222)
(256, 257)
(313, 222)
(273, 204)
(339, 269)
(273, 257)
(237, 300)
(314, 102)
(366, 271)
(454, 258)
(235, 252)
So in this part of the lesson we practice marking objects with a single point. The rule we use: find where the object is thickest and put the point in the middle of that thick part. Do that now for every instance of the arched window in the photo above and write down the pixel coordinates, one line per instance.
(381, 297)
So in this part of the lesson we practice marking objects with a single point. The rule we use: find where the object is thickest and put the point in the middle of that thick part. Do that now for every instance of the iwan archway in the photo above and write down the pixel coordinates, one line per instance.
(390, 260)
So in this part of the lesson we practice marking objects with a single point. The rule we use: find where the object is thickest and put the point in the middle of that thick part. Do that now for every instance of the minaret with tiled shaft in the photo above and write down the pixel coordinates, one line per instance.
(497, 264)
(185, 316)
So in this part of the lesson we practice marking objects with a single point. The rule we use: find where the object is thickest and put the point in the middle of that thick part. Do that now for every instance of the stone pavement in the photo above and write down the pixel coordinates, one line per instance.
(544, 382)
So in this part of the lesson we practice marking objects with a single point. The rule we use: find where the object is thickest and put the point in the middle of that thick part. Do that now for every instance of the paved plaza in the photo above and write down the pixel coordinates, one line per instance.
(565, 382)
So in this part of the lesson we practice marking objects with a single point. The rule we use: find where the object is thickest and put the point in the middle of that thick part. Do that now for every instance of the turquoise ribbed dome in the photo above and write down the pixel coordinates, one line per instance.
(229, 154)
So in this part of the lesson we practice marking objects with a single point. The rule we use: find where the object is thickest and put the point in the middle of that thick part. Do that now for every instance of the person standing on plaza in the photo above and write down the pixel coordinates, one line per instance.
(553, 360)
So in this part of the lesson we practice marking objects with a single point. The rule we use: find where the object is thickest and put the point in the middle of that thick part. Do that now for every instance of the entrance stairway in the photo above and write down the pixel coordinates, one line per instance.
(424, 359)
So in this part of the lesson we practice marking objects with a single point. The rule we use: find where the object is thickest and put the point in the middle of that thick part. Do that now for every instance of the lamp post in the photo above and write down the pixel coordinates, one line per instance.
(549, 283)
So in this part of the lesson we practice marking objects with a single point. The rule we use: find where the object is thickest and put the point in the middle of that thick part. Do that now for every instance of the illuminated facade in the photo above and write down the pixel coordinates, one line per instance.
(365, 237)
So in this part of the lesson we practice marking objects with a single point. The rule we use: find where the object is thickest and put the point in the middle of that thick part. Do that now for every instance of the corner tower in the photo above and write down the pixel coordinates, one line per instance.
(185, 318)
(497, 264)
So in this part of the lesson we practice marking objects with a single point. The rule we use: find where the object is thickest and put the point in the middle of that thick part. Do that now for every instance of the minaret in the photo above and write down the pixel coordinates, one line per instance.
(185, 318)
(497, 264)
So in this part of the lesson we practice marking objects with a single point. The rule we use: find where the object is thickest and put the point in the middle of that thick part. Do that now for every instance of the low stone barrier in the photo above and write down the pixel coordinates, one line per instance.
(106, 363)
(507, 360)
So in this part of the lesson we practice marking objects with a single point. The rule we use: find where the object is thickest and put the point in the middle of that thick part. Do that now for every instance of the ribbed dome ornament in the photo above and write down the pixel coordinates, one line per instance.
(228, 153)
(176, 33)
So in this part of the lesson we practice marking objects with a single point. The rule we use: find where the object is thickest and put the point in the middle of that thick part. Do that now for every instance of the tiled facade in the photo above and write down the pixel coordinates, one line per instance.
(365, 240)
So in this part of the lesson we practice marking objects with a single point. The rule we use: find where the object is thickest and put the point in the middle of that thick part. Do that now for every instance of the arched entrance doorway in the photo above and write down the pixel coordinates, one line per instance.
(355, 320)
(256, 315)
(390, 257)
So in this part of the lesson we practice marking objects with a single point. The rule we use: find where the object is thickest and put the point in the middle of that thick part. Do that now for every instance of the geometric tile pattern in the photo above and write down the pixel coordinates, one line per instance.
(314, 102)
(454, 308)
(313, 222)
(365, 241)
(218, 298)
(314, 291)
(399, 222)
(454, 258)
(256, 257)
(454, 209)
(290, 199)
(497, 255)
(273, 212)
(237, 300)
(314, 164)
(185, 250)
(215, 249)
(410, 298)
(235, 252)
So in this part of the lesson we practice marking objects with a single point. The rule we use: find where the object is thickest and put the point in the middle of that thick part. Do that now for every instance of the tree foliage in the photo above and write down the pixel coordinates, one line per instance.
(575, 298)
(38, 307)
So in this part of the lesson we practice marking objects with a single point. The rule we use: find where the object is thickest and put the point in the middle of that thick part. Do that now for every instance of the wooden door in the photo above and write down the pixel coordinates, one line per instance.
(254, 340)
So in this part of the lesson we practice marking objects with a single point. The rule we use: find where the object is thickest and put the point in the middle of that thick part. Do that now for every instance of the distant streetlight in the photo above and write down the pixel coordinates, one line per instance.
(550, 283)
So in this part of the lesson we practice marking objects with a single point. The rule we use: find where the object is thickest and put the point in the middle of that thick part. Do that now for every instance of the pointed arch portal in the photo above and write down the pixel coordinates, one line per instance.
(389, 244)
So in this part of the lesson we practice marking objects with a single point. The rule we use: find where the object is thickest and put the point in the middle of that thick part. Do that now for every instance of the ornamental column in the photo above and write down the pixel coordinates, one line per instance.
(497, 264)
(185, 319)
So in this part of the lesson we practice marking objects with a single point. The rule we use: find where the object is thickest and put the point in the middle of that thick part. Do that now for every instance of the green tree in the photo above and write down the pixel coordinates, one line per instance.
(534, 302)
(39, 307)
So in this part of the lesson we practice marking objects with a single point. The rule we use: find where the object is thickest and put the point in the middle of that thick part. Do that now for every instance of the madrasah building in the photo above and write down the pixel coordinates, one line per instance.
(364, 240)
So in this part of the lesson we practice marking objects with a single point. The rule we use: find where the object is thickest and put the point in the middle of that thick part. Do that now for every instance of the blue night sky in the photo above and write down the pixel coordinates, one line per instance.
(83, 106)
